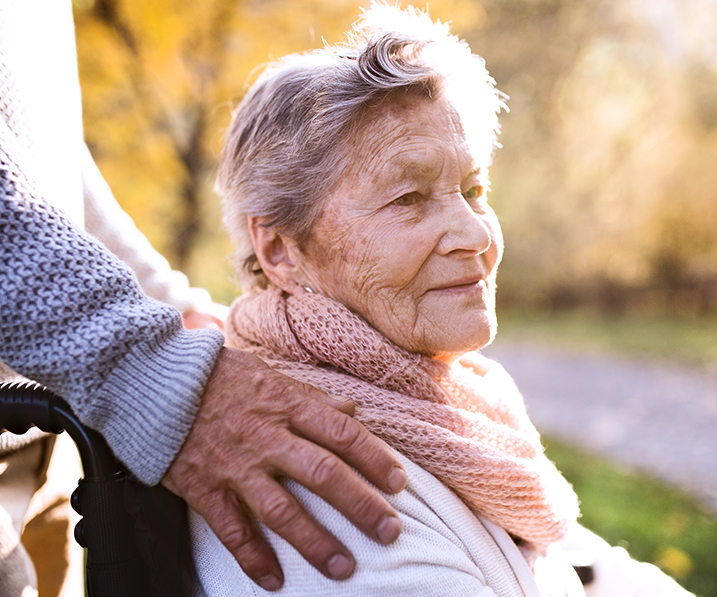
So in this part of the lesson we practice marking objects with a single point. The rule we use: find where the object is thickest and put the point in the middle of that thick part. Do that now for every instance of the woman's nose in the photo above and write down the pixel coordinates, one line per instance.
(464, 230)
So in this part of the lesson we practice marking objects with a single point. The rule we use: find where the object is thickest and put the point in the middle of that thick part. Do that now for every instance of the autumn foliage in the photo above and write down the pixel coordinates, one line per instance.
(606, 185)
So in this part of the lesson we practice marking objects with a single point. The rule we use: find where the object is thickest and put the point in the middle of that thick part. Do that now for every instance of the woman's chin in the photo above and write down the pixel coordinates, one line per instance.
(449, 352)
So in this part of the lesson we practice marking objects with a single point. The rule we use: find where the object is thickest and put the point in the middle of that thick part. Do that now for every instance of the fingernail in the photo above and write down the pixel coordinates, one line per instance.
(340, 567)
(348, 407)
(388, 530)
(270, 582)
(397, 479)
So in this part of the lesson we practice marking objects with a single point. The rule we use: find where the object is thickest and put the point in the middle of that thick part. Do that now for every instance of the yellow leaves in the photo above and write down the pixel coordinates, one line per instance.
(601, 144)
(158, 78)
(83, 4)
(160, 25)
(674, 561)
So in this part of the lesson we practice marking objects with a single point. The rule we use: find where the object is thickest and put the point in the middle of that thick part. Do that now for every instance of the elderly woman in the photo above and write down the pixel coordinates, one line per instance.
(355, 185)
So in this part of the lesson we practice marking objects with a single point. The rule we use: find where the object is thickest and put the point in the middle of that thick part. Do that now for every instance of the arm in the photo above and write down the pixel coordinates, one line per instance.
(73, 318)
(114, 228)
(106, 220)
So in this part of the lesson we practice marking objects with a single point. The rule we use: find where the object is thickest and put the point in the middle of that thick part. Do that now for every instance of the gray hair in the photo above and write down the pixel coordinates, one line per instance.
(288, 145)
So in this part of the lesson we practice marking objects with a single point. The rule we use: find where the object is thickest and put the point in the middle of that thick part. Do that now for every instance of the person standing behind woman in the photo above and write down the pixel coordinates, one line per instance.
(40, 470)
(73, 318)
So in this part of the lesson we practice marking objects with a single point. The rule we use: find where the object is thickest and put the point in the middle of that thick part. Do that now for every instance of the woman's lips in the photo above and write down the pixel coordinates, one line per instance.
(463, 285)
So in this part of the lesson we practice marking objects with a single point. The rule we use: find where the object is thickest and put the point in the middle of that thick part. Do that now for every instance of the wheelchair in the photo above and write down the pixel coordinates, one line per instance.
(136, 537)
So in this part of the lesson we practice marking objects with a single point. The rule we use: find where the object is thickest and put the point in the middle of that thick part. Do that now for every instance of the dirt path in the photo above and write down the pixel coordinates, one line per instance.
(660, 417)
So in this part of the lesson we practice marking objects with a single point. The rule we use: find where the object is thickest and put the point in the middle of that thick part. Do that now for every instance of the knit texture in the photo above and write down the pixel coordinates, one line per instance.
(73, 317)
(49, 133)
(444, 550)
(465, 424)
(114, 228)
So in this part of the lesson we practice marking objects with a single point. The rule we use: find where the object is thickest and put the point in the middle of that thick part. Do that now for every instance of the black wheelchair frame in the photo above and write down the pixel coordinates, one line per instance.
(135, 536)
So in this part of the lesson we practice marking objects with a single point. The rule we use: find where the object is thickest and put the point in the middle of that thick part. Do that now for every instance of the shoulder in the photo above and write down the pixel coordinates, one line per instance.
(443, 550)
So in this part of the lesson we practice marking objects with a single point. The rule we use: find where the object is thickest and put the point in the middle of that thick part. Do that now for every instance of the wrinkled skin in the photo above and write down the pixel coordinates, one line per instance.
(408, 240)
(256, 425)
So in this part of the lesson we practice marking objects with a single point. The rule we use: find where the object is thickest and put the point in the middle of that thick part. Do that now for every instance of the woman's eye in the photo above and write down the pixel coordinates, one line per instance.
(474, 193)
(407, 199)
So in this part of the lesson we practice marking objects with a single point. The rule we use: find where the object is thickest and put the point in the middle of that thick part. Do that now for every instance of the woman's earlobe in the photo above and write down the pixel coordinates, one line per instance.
(274, 250)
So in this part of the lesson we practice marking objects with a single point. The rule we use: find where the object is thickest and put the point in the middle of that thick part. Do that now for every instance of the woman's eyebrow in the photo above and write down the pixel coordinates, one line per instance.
(412, 168)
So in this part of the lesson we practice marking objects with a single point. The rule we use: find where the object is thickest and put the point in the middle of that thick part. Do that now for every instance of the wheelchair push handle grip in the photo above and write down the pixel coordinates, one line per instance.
(114, 565)
(26, 405)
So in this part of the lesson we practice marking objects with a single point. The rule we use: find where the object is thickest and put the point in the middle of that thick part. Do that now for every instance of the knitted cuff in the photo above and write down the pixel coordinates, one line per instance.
(149, 402)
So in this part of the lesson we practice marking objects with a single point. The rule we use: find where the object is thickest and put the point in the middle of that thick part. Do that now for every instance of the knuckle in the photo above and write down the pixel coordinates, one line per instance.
(236, 536)
(315, 548)
(344, 431)
(271, 389)
(278, 510)
(365, 506)
(325, 470)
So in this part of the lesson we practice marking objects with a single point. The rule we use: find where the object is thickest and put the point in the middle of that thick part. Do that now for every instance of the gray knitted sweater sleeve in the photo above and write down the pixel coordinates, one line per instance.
(73, 317)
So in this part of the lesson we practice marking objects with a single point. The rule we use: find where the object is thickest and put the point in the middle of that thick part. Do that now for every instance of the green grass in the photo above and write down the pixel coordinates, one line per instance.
(682, 339)
(655, 523)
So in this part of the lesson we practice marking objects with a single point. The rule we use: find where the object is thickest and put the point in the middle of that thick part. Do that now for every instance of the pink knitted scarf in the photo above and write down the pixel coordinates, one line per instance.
(465, 423)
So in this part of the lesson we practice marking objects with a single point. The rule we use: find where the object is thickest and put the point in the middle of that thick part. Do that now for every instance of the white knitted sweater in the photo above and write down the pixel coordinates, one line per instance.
(443, 551)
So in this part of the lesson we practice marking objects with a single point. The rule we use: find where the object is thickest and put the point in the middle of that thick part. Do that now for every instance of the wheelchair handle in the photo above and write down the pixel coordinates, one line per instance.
(114, 566)
(28, 404)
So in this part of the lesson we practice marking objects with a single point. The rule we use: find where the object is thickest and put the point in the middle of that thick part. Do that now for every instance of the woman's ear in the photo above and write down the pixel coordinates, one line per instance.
(275, 253)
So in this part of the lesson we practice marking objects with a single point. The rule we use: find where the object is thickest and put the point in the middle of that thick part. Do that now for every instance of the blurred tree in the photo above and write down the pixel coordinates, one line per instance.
(159, 78)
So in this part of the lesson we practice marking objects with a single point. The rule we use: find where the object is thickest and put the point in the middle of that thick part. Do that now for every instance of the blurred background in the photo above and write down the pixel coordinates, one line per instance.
(606, 188)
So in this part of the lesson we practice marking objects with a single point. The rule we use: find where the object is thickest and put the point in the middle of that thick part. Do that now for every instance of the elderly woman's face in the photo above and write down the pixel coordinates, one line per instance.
(408, 240)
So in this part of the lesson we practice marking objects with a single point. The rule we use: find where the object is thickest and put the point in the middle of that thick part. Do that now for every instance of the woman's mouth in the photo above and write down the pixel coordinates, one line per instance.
(463, 285)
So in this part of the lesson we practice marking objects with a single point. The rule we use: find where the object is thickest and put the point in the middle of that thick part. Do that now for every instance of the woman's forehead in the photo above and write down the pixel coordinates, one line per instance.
(411, 140)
